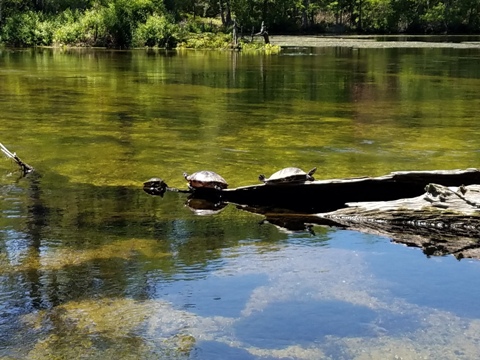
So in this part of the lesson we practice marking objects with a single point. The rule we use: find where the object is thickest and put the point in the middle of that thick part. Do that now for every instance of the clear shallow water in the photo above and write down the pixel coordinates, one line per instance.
(92, 265)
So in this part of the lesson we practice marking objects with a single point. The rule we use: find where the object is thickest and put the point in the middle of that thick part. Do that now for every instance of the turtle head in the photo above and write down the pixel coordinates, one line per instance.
(261, 177)
(185, 175)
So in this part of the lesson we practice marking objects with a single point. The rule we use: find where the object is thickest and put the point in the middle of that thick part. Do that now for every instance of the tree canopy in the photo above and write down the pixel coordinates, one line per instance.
(166, 23)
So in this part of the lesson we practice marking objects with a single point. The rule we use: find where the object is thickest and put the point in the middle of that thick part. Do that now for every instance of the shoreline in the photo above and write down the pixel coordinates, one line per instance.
(364, 42)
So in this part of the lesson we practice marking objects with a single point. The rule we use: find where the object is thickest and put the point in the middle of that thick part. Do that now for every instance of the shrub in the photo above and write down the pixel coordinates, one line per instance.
(44, 32)
(26, 29)
(122, 17)
(94, 31)
(156, 31)
(199, 25)
(207, 41)
(68, 34)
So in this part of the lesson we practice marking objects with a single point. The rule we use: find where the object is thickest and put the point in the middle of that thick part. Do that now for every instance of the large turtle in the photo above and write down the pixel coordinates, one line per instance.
(205, 180)
(288, 175)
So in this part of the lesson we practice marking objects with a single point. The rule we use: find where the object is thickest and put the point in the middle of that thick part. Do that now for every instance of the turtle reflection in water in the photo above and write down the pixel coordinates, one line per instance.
(205, 180)
(288, 175)
(203, 207)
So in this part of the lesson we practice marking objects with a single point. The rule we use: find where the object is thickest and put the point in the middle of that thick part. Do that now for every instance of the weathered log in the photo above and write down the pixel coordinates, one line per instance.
(263, 32)
(444, 220)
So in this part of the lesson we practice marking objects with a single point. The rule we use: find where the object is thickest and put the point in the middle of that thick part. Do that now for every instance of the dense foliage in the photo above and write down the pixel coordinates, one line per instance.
(166, 23)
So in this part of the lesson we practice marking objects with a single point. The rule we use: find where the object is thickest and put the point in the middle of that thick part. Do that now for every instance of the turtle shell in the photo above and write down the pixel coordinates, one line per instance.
(154, 182)
(206, 179)
(289, 174)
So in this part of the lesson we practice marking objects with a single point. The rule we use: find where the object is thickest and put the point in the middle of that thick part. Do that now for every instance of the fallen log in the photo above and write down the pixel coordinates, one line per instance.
(317, 196)
(328, 195)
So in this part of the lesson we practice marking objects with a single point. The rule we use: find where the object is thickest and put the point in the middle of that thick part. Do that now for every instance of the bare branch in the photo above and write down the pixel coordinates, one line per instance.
(23, 166)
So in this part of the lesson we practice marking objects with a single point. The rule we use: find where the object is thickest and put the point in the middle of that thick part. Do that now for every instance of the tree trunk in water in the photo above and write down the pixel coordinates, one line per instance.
(263, 32)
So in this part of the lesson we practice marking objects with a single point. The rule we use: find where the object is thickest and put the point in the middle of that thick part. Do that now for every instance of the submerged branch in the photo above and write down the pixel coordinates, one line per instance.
(23, 166)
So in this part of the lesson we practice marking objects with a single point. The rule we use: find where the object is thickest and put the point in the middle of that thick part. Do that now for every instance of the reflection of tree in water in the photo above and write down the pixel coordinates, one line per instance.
(22, 289)
(36, 221)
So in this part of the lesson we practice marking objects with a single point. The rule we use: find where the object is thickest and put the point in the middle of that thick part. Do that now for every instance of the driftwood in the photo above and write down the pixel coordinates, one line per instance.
(23, 166)
(237, 34)
(263, 32)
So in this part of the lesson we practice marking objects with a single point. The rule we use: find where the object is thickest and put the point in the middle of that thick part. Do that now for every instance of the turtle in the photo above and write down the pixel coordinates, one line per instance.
(205, 180)
(155, 186)
(288, 175)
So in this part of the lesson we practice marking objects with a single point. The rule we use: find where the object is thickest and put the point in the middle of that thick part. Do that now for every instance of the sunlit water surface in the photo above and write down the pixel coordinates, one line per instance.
(93, 267)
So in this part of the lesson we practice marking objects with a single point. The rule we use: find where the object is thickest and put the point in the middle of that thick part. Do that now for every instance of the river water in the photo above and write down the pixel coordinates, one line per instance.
(93, 267)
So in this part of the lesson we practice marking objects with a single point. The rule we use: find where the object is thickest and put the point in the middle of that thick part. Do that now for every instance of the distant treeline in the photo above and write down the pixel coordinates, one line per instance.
(167, 23)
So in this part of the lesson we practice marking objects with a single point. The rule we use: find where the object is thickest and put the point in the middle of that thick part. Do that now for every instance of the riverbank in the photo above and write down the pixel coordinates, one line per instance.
(366, 42)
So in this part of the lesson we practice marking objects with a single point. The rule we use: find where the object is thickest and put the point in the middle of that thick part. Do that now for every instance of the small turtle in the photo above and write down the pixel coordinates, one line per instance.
(155, 186)
(288, 175)
(205, 179)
